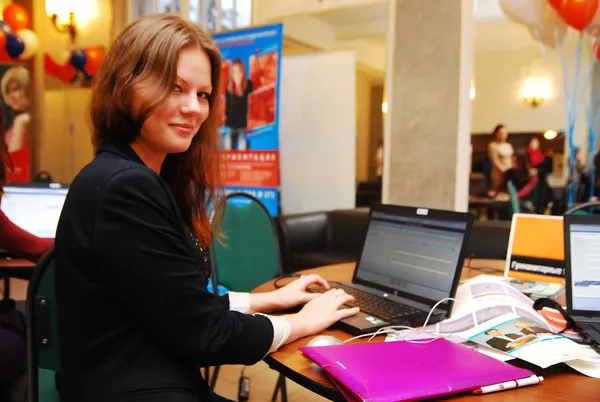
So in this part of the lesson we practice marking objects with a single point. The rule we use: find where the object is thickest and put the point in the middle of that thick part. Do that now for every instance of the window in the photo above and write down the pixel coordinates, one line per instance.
(215, 15)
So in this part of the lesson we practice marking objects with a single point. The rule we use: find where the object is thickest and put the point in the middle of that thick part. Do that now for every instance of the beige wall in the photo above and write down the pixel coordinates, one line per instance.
(499, 76)
(60, 107)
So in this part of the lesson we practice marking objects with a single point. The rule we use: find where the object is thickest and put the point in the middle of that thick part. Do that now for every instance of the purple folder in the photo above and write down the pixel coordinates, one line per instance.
(407, 371)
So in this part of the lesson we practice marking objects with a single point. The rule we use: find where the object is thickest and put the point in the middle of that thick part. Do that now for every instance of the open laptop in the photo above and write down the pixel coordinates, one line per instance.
(34, 207)
(411, 259)
(582, 263)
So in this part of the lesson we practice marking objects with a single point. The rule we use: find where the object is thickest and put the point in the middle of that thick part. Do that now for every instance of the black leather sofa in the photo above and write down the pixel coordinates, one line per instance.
(315, 239)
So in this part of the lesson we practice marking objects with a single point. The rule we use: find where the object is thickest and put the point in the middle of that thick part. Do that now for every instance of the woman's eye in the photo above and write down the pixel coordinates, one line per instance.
(177, 88)
(203, 95)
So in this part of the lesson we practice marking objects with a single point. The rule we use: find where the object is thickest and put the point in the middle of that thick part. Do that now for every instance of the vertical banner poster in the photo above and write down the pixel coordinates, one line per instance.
(249, 117)
(16, 129)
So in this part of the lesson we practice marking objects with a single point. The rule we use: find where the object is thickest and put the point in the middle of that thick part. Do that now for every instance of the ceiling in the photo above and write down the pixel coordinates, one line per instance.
(365, 28)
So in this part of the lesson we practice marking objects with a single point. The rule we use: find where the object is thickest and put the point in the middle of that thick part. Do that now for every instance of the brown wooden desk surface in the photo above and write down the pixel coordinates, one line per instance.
(560, 384)
(14, 268)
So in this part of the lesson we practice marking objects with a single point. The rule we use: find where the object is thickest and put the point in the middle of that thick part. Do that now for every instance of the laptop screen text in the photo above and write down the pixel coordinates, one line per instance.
(416, 255)
(585, 266)
(36, 210)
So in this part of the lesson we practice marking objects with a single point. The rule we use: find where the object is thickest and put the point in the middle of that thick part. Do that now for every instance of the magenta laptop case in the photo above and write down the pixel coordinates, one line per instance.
(406, 371)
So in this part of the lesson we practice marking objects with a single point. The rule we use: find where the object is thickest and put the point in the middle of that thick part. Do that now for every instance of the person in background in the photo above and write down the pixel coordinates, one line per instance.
(19, 243)
(536, 155)
(500, 153)
(523, 177)
(542, 165)
(239, 89)
(136, 320)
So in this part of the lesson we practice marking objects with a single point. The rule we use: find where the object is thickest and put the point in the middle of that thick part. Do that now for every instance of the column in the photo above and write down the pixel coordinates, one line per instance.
(428, 123)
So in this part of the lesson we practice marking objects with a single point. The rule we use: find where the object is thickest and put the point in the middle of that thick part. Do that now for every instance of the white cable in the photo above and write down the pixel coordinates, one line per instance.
(393, 328)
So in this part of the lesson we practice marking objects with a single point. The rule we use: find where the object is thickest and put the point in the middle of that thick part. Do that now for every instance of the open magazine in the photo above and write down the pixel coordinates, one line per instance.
(491, 315)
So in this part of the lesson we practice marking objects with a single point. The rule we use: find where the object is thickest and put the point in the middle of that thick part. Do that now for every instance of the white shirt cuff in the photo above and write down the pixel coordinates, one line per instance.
(281, 331)
(239, 302)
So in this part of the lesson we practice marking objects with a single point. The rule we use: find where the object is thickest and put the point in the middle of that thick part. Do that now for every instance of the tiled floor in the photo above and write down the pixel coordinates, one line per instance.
(262, 378)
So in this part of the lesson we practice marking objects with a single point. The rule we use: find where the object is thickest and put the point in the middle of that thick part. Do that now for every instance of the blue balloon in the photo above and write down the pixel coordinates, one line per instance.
(6, 28)
(14, 45)
(78, 59)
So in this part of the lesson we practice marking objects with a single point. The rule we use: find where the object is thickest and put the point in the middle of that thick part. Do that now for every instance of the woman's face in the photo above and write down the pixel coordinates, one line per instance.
(501, 134)
(16, 97)
(534, 144)
(237, 73)
(172, 126)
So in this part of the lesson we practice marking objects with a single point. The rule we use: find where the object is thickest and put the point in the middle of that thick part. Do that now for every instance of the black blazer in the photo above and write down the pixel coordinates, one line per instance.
(135, 319)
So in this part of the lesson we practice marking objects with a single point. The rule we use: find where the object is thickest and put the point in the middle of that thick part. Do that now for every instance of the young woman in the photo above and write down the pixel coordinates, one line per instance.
(239, 88)
(136, 321)
(500, 153)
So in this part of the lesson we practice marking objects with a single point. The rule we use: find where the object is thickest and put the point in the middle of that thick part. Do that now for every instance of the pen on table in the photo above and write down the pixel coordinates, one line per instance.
(534, 379)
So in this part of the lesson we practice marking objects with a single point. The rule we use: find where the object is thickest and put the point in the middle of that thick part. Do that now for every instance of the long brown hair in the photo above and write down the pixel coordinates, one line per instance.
(231, 84)
(147, 52)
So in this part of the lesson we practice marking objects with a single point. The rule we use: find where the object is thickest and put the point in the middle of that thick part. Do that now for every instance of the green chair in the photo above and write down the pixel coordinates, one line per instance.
(514, 198)
(43, 357)
(248, 255)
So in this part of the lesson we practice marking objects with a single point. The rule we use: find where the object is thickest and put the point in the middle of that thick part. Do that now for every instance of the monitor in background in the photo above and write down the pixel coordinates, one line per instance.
(34, 208)
(412, 255)
(584, 242)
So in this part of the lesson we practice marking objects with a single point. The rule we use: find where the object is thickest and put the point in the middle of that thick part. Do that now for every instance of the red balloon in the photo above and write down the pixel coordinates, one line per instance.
(578, 13)
(16, 16)
(95, 57)
(556, 4)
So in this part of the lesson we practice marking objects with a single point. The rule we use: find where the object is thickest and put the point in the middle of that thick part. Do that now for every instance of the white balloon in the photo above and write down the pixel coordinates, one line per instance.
(551, 29)
(62, 57)
(31, 42)
(528, 12)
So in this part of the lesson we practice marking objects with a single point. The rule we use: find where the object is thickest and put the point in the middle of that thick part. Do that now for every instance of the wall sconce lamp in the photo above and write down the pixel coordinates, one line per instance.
(550, 134)
(535, 90)
(62, 18)
(384, 107)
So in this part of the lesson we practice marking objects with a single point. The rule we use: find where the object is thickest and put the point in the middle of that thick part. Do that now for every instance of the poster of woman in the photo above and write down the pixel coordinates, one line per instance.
(16, 130)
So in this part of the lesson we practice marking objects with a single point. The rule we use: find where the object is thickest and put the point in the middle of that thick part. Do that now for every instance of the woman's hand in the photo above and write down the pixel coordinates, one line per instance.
(291, 295)
(296, 293)
(320, 313)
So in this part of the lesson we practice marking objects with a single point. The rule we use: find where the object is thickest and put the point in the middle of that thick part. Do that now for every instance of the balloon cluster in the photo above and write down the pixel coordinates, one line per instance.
(69, 66)
(548, 20)
(17, 41)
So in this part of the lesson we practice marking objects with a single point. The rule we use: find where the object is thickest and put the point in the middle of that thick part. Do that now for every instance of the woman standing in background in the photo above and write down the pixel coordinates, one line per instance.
(239, 88)
(500, 153)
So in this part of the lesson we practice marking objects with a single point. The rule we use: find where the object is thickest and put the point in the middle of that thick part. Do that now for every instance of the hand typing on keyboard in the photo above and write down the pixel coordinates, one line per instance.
(324, 310)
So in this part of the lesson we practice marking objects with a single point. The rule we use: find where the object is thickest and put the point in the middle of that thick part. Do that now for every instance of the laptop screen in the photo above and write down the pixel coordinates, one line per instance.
(34, 209)
(585, 266)
(411, 254)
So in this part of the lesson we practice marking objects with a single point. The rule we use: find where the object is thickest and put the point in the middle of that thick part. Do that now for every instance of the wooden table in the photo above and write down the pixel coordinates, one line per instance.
(561, 383)
(14, 268)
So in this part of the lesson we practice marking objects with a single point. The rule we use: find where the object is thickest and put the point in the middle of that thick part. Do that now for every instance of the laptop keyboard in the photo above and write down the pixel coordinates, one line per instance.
(592, 329)
(374, 305)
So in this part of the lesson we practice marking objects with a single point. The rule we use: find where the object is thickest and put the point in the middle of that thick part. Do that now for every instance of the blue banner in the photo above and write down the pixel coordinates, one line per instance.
(249, 117)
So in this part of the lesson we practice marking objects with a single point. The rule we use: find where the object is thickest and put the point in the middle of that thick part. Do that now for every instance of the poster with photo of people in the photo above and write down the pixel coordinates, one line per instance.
(248, 115)
(16, 117)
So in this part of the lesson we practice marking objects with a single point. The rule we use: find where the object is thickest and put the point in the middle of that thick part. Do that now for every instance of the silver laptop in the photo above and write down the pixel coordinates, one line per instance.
(411, 259)
(582, 263)
(35, 207)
